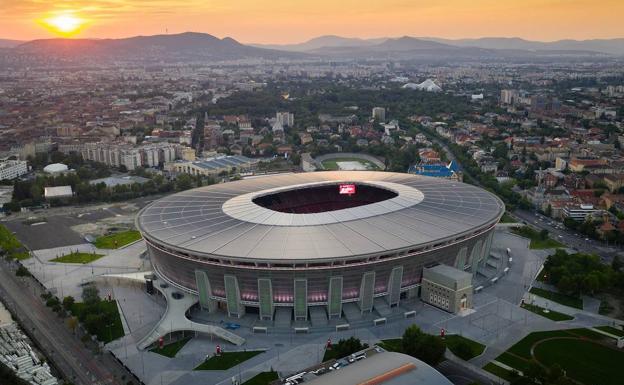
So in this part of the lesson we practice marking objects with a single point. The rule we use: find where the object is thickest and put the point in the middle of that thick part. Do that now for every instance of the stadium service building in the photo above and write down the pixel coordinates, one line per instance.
(316, 239)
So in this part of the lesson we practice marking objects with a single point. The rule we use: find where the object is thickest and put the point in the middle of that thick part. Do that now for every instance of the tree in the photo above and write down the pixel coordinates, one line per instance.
(616, 264)
(349, 346)
(183, 182)
(90, 295)
(72, 324)
(22, 272)
(68, 302)
(425, 347)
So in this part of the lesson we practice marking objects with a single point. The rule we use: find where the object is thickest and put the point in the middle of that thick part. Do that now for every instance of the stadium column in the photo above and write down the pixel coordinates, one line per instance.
(301, 299)
(265, 297)
(334, 302)
(205, 291)
(232, 295)
(460, 263)
(487, 245)
(394, 286)
(367, 290)
(475, 256)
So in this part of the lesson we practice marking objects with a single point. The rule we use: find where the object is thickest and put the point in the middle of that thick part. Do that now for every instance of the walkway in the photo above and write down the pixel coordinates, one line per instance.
(174, 319)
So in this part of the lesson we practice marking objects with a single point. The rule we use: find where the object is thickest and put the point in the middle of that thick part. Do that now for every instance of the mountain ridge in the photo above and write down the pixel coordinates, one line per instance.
(613, 46)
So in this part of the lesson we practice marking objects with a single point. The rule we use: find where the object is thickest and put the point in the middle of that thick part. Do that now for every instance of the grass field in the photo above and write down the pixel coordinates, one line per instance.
(563, 299)
(584, 361)
(550, 314)
(170, 350)
(11, 245)
(578, 351)
(453, 342)
(391, 345)
(104, 333)
(263, 378)
(332, 164)
(536, 240)
(77, 257)
(117, 240)
(506, 218)
(227, 360)
(498, 371)
(612, 330)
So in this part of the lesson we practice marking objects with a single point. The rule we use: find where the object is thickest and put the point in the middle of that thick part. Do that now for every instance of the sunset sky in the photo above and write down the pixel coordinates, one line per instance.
(290, 21)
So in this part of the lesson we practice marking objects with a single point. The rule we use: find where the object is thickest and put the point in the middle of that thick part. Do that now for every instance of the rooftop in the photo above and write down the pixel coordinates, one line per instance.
(223, 220)
(386, 368)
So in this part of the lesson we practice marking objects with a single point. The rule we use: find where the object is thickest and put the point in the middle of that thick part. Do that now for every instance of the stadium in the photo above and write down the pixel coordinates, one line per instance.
(316, 240)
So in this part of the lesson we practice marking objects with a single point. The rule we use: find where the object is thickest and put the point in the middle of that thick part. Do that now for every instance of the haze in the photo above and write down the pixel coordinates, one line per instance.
(287, 21)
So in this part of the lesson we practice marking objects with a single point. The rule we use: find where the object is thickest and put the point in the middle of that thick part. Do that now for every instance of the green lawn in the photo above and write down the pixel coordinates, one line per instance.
(584, 361)
(332, 164)
(117, 240)
(263, 378)
(563, 299)
(522, 348)
(104, 333)
(170, 350)
(498, 371)
(550, 314)
(11, 245)
(78, 257)
(506, 218)
(537, 242)
(227, 360)
(471, 350)
(577, 351)
(612, 330)
(22, 255)
(391, 345)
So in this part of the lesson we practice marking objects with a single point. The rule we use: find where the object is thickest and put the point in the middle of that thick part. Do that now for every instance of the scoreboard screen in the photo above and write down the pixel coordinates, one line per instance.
(347, 189)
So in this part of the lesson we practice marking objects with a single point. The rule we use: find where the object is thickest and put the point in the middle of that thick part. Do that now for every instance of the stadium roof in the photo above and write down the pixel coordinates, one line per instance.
(386, 368)
(221, 220)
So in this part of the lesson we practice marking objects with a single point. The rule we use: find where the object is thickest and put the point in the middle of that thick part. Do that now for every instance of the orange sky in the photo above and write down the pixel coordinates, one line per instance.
(288, 21)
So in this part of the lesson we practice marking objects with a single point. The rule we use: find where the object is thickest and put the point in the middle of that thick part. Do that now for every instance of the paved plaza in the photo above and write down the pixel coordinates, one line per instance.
(496, 320)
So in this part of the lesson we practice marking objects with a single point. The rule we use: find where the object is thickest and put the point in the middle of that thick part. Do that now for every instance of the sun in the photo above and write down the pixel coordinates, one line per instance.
(65, 24)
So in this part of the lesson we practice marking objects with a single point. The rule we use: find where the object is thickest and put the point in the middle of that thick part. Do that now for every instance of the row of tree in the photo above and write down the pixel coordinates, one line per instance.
(579, 273)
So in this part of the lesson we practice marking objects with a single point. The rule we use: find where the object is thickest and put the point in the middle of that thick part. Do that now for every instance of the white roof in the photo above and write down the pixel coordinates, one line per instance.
(223, 220)
(58, 192)
(55, 167)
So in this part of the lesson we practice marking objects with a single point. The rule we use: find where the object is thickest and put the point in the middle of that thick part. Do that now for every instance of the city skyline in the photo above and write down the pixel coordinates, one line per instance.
(282, 22)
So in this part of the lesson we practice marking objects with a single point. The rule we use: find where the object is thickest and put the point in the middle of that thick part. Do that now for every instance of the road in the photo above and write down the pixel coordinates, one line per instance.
(568, 238)
(461, 374)
(55, 340)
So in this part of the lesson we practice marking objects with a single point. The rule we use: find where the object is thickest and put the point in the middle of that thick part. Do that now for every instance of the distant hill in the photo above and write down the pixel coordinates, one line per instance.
(200, 47)
(403, 48)
(609, 46)
(7, 43)
(177, 47)
(322, 42)
(332, 44)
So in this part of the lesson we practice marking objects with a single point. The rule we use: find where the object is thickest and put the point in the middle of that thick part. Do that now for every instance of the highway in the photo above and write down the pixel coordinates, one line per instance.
(54, 339)
(562, 234)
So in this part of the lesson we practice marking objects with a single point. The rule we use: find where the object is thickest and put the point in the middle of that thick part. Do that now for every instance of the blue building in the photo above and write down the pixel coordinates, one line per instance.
(438, 170)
